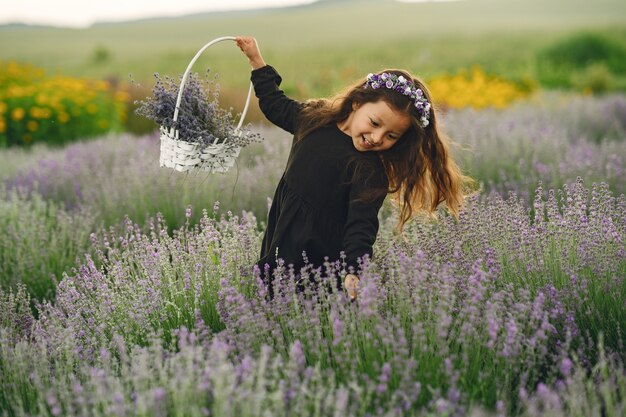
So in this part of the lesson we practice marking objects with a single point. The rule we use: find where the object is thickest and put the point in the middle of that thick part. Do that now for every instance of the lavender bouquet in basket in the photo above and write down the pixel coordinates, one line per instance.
(201, 135)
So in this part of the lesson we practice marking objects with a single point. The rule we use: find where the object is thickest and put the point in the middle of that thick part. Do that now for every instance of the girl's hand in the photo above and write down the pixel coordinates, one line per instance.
(351, 284)
(249, 47)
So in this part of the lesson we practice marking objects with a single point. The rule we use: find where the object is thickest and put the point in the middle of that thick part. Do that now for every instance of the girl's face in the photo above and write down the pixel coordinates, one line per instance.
(374, 126)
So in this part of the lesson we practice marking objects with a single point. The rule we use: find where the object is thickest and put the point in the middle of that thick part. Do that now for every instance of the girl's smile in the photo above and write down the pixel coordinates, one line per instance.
(374, 126)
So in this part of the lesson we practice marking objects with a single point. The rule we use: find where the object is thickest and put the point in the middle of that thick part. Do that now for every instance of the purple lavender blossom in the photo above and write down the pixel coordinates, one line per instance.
(200, 118)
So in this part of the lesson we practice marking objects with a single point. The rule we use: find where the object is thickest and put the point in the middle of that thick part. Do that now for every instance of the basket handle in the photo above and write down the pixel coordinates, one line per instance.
(188, 70)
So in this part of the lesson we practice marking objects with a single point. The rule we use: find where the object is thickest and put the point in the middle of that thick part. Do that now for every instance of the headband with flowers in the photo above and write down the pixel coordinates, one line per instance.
(405, 87)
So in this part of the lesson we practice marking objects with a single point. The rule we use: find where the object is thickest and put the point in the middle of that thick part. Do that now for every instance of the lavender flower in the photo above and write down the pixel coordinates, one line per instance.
(169, 317)
(200, 118)
(404, 87)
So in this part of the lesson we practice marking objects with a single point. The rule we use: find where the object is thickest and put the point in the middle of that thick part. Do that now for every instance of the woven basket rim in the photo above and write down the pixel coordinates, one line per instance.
(173, 133)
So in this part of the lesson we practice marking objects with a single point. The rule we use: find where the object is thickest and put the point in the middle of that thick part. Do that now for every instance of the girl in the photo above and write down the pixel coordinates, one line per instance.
(377, 137)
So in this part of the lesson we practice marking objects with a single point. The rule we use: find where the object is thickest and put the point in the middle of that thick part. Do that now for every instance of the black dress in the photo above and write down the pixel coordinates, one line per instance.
(318, 206)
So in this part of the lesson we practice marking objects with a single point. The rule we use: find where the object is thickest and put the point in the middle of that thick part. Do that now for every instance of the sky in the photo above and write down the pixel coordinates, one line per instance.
(83, 13)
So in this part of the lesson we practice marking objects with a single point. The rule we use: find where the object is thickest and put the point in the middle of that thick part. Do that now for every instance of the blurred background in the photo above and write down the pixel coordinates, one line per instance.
(476, 53)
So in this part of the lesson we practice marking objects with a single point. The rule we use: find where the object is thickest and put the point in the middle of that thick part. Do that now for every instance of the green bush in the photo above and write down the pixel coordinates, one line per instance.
(595, 78)
(567, 62)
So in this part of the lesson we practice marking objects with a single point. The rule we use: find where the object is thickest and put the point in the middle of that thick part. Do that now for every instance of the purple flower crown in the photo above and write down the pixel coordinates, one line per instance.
(405, 87)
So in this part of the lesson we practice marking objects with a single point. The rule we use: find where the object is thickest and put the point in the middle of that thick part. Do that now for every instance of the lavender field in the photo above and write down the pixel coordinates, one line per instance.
(128, 290)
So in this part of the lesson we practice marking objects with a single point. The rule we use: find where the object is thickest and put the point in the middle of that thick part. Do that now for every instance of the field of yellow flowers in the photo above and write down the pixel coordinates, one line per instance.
(56, 109)
(475, 88)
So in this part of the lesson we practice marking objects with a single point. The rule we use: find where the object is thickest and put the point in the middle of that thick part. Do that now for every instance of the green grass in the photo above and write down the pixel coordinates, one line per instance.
(41, 240)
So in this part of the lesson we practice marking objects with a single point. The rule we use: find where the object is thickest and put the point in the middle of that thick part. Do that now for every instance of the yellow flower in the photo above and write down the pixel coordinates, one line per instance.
(17, 114)
(40, 113)
(92, 108)
(13, 67)
(101, 85)
(32, 125)
(63, 117)
(3, 107)
(3, 125)
(42, 99)
(122, 96)
(476, 89)
(56, 104)
(14, 91)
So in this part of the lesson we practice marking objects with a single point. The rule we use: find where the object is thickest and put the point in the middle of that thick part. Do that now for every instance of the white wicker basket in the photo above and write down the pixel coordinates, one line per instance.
(185, 156)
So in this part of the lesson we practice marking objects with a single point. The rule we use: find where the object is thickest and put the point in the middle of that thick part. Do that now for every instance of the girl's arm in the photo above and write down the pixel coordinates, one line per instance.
(361, 225)
(250, 48)
(275, 105)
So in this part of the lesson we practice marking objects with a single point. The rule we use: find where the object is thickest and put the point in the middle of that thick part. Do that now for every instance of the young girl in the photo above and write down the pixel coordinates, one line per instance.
(377, 137)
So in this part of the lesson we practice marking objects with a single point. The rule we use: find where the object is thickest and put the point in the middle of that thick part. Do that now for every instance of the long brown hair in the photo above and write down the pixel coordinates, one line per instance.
(420, 170)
